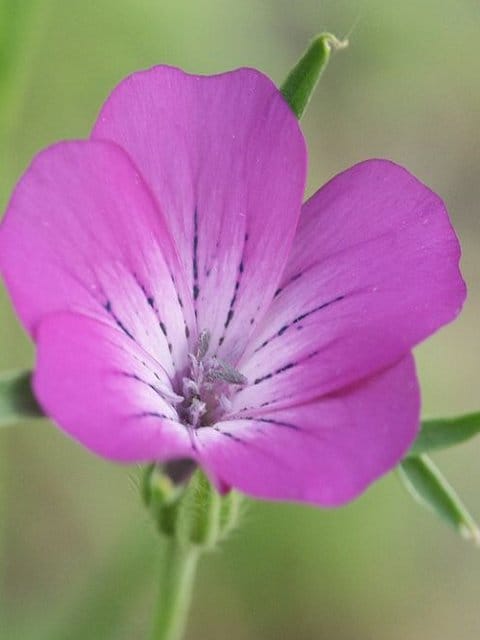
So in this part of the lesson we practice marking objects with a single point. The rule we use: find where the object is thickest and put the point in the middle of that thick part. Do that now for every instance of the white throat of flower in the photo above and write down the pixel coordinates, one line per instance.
(207, 387)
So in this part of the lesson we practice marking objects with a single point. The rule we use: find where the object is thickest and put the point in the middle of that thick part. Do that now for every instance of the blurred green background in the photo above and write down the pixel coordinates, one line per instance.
(77, 552)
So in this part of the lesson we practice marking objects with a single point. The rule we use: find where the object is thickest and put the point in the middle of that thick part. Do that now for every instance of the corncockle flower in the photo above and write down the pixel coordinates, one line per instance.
(185, 305)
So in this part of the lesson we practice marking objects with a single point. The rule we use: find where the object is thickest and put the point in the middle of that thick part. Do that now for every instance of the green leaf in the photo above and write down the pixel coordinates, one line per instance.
(445, 432)
(429, 487)
(16, 398)
(300, 83)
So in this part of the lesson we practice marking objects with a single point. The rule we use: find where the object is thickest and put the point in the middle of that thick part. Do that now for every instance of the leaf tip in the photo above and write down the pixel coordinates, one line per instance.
(330, 41)
(298, 87)
(471, 533)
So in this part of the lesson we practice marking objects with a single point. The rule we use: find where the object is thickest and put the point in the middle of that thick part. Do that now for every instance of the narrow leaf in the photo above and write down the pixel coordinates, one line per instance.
(16, 398)
(425, 483)
(300, 83)
(445, 432)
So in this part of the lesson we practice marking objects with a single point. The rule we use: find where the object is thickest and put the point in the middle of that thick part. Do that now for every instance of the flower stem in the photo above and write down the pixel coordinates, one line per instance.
(176, 584)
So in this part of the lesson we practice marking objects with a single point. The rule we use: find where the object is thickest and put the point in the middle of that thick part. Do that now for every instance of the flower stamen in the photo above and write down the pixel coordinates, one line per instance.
(206, 389)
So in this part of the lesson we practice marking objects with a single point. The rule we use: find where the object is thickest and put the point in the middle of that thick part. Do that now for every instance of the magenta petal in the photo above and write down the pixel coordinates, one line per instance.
(82, 233)
(225, 159)
(106, 392)
(326, 452)
(373, 271)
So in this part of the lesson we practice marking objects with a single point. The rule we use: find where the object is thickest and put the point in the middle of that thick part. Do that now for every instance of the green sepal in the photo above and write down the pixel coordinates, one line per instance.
(445, 432)
(17, 401)
(425, 483)
(199, 513)
(190, 511)
(230, 512)
(299, 85)
(162, 497)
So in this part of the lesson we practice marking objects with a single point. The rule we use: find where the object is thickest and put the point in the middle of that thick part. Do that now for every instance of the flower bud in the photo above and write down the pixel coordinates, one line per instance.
(186, 506)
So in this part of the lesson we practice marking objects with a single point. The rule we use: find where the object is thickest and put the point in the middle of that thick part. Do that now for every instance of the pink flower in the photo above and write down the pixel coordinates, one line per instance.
(185, 305)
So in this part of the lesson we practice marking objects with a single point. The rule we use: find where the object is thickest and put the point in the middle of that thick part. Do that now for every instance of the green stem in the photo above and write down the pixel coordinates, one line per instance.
(178, 573)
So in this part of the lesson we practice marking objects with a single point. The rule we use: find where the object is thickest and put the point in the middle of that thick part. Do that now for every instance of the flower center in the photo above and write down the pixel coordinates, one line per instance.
(207, 387)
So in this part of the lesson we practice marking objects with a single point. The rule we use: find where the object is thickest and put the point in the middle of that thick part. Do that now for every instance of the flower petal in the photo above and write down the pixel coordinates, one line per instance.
(106, 392)
(326, 452)
(225, 159)
(373, 271)
(82, 233)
